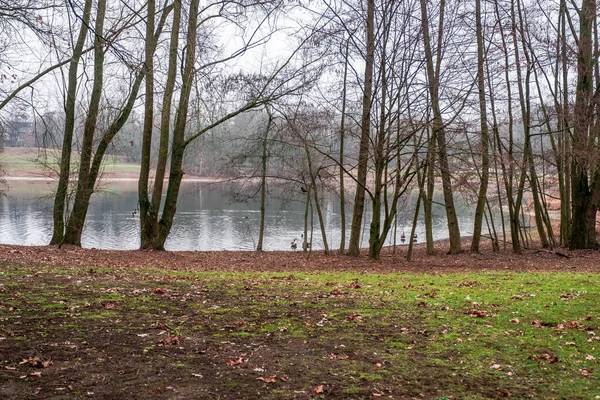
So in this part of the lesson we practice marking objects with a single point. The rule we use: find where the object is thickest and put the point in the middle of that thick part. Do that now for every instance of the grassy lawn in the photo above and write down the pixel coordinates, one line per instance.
(29, 160)
(146, 333)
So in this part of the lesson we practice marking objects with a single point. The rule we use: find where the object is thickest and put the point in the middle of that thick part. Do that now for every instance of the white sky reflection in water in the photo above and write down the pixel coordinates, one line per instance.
(205, 220)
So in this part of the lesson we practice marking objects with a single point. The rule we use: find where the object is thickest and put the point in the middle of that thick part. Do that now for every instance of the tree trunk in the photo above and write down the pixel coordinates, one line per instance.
(564, 143)
(525, 101)
(313, 185)
(584, 196)
(76, 220)
(165, 123)
(415, 217)
(147, 213)
(342, 134)
(427, 196)
(263, 185)
(179, 143)
(439, 132)
(149, 208)
(60, 200)
(508, 173)
(485, 161)
(379, 156)
(307, 206)
(363, 156)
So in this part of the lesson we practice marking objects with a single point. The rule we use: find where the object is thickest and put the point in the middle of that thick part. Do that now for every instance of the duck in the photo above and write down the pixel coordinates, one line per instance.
(294, 245)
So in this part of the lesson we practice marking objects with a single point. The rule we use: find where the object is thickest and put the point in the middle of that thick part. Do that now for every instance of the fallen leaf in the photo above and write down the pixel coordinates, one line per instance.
(515, 320)
(270, 379)
(354, 317)
(342, 356)
(545, 356)
(574, 325)
(232, 363)
(319, 389)
(159, 291)
(198, 376)
(495, 366)
(284, 378)
(37, 362)
(159, 325)
(569, 295)
(590, 357)
(172, 340)
(586, 371)
(477, 314)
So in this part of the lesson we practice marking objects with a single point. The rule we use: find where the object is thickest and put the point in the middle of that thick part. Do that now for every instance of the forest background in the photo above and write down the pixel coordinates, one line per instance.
(367, 101)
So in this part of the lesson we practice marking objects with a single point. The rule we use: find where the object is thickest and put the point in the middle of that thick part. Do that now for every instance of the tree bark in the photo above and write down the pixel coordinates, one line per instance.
(179, 142)
(165, 122)
(341, 159)
(363, 156)
(485, 161)
(525, 102)
(76, 220)
(508, 173)
(60, 200)
(379, 156)
(439, 132)
(147, 213)
(584, 195)
(263, 185)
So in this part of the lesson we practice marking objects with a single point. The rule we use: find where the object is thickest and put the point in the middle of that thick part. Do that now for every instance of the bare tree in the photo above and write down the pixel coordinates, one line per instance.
(585, 175)
(60, 200)
(256, 90)
(91, 159)
(485, 162)
(438, 126)
(365, 126)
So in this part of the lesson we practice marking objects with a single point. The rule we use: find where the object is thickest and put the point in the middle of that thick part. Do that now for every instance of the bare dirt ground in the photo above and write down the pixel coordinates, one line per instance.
(440, 262)
(93, 327)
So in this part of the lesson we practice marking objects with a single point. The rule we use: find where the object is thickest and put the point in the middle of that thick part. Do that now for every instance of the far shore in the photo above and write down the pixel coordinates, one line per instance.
(31, 178)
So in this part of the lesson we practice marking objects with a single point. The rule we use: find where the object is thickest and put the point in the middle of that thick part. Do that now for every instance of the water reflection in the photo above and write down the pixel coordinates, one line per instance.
(205, 220)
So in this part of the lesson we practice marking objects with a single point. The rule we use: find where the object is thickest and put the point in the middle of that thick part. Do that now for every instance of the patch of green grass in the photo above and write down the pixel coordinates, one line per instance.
(462, 335)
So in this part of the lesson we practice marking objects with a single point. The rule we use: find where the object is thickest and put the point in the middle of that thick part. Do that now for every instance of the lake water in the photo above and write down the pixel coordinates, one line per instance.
(206, 219)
